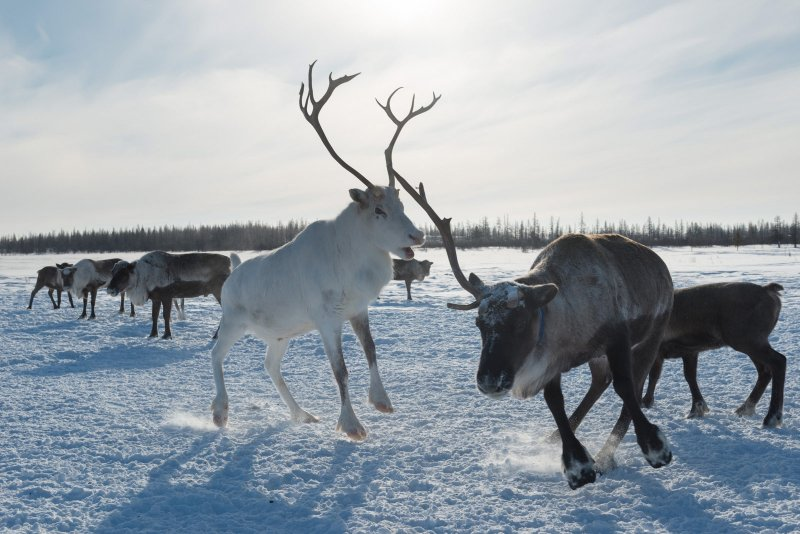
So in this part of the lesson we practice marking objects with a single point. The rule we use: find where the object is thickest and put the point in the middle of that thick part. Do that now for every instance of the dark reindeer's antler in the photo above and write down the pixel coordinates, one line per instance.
(443, 225)
(311, 108)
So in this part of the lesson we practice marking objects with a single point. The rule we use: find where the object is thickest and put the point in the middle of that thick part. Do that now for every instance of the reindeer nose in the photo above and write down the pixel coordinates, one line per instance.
(494, 386)
(418, 238)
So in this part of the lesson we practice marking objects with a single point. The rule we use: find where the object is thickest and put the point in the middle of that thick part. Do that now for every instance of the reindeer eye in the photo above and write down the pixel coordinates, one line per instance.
(379, 211)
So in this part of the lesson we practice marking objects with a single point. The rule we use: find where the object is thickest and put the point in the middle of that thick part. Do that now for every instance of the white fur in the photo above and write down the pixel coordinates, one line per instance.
(84, 274)
(327, 275)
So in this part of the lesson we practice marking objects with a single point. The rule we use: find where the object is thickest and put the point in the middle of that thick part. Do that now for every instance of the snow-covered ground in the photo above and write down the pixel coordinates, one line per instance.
(105, 430)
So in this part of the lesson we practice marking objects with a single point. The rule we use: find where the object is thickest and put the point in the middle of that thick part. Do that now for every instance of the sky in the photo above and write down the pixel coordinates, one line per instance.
(151, 113)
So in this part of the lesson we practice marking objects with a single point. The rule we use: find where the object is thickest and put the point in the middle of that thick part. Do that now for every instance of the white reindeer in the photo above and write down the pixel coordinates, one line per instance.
(327, 275)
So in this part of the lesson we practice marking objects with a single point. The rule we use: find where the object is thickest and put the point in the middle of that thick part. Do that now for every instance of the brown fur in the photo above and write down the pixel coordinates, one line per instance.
(586, 296)
(739, 315)
(50, 277)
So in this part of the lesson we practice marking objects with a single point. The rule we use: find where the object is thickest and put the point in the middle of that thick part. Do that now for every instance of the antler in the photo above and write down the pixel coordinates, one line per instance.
(400, 123)
(443, 225)
(312, 107)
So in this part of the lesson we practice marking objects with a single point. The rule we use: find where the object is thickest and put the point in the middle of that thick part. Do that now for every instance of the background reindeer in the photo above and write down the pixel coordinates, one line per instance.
(410, 270)
(51, 278)
(162, 277)
(86, 277)
(327, 275)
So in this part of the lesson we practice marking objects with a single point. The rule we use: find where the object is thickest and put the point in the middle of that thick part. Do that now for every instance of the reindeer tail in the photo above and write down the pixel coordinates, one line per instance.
(237, 261)
(772, 286)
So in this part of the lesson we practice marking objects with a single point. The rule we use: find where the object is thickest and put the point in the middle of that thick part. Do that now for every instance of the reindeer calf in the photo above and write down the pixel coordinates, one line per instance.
(51, 278)
(740, 315)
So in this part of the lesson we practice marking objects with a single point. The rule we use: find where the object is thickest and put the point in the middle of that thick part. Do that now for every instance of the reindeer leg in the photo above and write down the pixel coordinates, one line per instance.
(50, 294)
(167, 303)
(770, 364)
(180, 306)
(748, 407)
(628, 385)
(228, 336)
(577, 464)
(156, 308)
(69, 296)
(699, 406)
(348, 422)
(122, 302)
(85, 301)
(39, 285)
(94, 297)
(276, 349)
(408, 290)
(377, 394)
(601, 379)
(652, 380)
(133, 311)
(58, 303)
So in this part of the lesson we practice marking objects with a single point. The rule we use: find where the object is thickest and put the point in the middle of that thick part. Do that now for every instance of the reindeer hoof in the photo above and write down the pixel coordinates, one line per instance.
(746, 409)
(585, 476)
(304, 417)
(580, 473)
(699, 409)
(656, 449)
(384, 407)
(605, 463)
(221, 420)
(219, 414)
(578, 467)
(773, 421)
(166, 336)
(647, 401)
(356, 433)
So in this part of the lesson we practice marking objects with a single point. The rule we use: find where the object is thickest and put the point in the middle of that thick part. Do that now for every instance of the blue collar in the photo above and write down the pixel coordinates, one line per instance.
(541, 326)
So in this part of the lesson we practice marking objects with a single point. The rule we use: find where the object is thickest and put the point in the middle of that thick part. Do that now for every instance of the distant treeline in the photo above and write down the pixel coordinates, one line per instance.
(532, 233)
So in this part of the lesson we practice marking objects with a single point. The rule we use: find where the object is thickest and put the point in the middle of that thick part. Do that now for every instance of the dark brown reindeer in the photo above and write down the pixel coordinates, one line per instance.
(87, 276)
(740, 315)
(585, 296)
(162, 277)
(50, 277)
(410, 270)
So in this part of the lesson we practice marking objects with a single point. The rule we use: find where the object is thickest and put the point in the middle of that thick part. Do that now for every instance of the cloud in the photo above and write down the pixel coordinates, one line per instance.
(188, 113)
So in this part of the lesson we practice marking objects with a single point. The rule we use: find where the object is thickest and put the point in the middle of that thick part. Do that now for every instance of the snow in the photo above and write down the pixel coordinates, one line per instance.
(106, 430)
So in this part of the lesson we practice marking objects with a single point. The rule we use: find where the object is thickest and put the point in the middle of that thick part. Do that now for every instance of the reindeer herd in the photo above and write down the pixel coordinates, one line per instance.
(601, 300)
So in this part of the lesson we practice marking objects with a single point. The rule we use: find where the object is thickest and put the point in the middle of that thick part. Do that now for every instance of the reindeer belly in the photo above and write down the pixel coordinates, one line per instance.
(184, 289)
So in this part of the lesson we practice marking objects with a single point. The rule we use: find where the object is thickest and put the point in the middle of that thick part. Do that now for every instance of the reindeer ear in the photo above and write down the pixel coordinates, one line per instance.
(476, 282)
(360, 197)
(539, 295)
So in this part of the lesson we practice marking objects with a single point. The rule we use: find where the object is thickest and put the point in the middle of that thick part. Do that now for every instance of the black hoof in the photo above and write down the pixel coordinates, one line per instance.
(655, 448)
(587, 475)
(773, 421)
